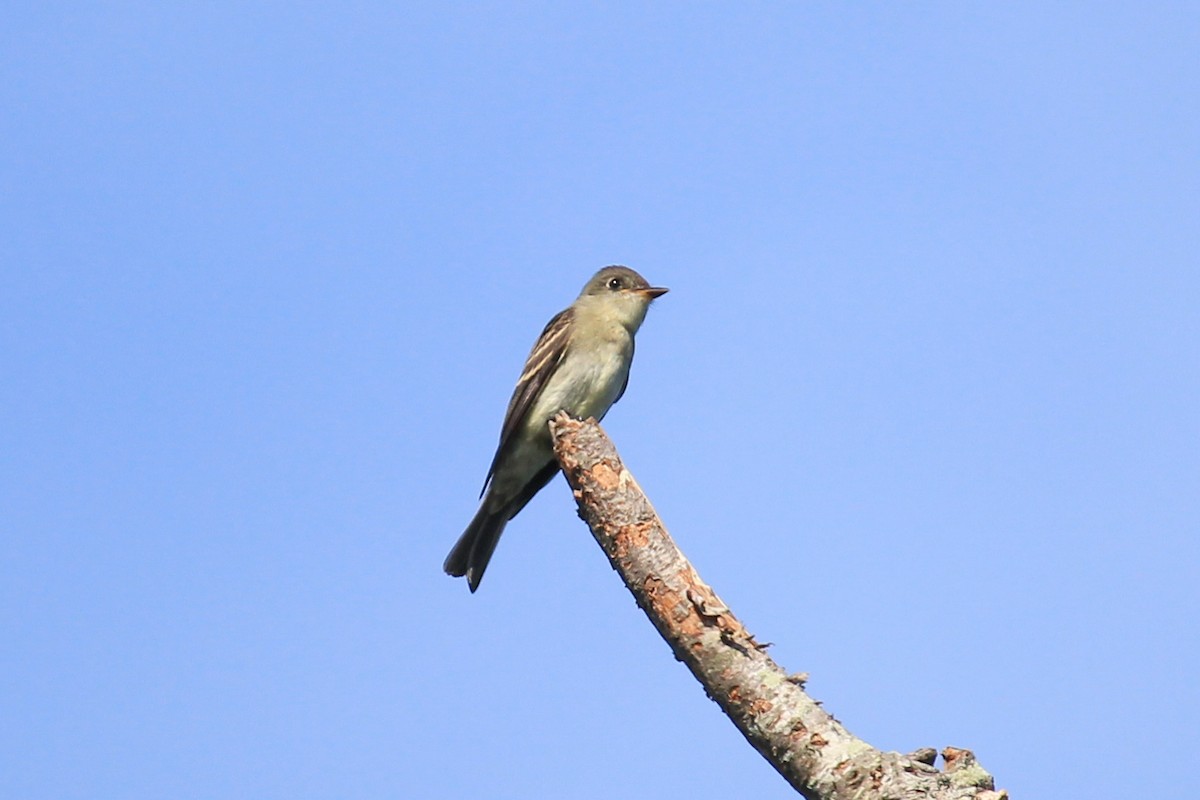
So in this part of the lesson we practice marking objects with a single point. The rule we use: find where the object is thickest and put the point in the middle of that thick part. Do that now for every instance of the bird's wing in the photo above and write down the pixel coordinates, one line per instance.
(625, 385)
(549, 350)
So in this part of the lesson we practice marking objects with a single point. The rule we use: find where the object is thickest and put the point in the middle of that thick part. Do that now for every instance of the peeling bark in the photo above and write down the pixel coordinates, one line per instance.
(813, 752)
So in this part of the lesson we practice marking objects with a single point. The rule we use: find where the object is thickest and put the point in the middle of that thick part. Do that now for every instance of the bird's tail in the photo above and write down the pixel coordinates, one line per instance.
(473, 550)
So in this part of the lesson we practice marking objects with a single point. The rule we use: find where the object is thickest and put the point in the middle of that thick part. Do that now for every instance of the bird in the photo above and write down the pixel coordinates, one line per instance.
(580, 365)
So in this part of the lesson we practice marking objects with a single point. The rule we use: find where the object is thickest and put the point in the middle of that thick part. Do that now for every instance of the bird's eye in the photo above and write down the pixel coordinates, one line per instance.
(614, 283)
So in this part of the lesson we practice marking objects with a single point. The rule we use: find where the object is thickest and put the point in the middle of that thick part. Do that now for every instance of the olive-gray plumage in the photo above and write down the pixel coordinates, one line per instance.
(580, 364)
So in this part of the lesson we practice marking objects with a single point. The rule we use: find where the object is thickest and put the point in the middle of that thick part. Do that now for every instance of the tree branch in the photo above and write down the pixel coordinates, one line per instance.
(803, 742)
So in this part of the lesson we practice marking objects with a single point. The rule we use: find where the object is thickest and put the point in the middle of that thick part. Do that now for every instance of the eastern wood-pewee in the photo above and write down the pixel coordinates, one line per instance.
(580, 364)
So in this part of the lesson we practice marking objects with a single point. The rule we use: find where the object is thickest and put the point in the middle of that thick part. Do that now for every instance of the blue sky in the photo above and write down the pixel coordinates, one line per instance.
(921, 404)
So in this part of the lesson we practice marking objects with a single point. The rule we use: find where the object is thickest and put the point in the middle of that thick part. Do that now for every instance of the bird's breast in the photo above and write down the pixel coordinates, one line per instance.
(587, 381)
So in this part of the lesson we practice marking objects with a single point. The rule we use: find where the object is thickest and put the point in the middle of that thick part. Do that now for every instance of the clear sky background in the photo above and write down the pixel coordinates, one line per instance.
(923, 403)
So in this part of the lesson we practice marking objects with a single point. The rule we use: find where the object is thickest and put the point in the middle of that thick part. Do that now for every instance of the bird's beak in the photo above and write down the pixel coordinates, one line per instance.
(654, 291)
